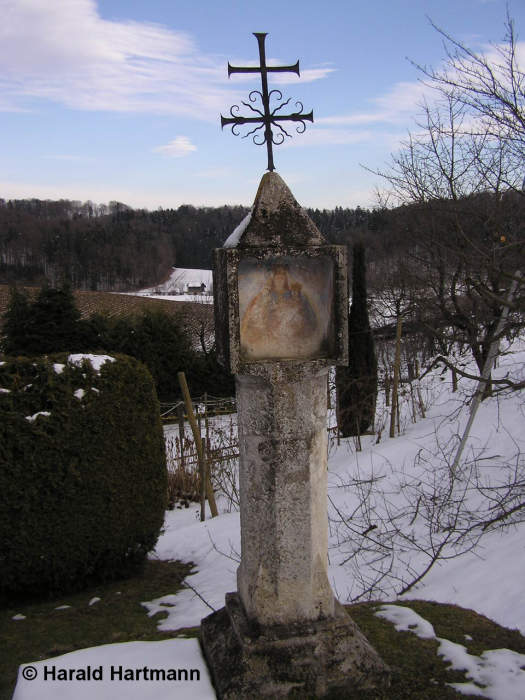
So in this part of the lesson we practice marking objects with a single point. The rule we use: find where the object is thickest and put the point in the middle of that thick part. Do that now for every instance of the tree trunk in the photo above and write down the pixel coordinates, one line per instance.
(395, 383)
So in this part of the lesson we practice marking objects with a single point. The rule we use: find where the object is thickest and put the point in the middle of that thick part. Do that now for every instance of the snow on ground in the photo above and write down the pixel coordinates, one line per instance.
(498, 674)
(175, 288)
(131, 670)
(180, 279)
(403, 477)
(195, 298)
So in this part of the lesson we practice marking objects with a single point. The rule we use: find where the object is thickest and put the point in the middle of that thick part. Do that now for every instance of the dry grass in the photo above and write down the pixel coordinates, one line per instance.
(113, 304)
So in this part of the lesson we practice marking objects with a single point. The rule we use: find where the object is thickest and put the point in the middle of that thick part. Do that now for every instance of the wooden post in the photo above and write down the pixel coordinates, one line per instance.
(203, 474)
(198, 442)
(180, 418)
(413, 402)
(206, 423)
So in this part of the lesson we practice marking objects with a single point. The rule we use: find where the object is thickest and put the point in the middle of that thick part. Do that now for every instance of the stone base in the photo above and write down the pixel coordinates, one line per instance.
(303, 660)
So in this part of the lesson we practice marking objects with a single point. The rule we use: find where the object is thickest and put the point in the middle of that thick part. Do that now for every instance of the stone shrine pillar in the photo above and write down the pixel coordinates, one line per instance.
(281, 309)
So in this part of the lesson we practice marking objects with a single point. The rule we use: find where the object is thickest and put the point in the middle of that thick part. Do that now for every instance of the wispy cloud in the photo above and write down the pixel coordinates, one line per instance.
(387, 114)
(326, 137)
(179, 147)
(396, 107)
(307, 75)
(66, 52)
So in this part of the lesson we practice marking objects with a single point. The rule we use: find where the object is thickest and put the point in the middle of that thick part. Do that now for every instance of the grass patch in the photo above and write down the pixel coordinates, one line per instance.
(418, 673)
(417, 670)
(117, 617)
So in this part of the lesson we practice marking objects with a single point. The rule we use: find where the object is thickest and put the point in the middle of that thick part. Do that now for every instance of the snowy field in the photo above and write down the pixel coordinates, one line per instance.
(175, 288)
(396, 510)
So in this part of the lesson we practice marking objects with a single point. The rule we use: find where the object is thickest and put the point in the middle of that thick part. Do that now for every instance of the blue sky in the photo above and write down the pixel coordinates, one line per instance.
(121, 99)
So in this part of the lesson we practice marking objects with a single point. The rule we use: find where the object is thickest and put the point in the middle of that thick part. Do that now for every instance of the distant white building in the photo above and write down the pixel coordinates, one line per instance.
(185, 280)
(196, 288)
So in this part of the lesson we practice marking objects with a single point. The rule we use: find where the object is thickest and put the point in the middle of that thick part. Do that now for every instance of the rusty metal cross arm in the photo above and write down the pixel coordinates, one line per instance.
(266, 117)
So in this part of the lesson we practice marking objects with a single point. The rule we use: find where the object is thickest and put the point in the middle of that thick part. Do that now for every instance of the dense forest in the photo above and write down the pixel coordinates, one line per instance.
(115, 247)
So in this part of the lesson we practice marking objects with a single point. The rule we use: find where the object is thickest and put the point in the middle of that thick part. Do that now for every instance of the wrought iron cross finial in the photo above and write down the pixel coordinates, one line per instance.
(268, 117)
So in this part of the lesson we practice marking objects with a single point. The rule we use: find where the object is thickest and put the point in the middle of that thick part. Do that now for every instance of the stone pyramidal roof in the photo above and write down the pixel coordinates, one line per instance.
(277, 220)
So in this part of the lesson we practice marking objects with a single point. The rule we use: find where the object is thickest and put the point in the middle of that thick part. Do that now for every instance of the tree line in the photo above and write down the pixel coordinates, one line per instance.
(114, 247)
(52, 323)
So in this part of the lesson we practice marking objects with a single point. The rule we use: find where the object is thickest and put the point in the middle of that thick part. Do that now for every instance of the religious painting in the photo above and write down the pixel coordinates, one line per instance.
(286, 308)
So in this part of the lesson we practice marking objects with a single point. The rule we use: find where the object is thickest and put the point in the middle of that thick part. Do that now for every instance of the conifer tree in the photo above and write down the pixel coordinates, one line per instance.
(50, 323)
(16, 320)
(356, 385)
(55, 322)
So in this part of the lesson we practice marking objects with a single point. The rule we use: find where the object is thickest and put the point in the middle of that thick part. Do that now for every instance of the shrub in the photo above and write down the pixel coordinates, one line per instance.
(50, 323)
(155, 338)
(82, 471)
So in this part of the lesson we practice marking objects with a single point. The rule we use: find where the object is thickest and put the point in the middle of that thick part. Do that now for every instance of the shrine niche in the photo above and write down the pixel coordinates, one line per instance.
(286, 308)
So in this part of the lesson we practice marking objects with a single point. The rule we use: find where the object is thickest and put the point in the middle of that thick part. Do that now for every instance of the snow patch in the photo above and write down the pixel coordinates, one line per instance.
(497, 674)
(234, 237)
(96, 361)
(164, 655)
(180, 279)
(406, 620)
(33, 418)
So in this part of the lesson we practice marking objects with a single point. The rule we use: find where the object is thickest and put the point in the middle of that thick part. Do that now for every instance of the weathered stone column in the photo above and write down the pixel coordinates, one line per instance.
(281, 309)
(283, 451)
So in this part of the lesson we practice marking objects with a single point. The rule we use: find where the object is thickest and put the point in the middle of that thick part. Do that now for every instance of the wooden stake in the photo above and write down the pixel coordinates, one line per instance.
(198, 442)
(203, 473)
(180, 417)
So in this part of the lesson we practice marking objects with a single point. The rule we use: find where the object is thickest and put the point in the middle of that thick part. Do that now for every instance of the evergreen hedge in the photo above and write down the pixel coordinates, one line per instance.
(82, 472)
(51, 323)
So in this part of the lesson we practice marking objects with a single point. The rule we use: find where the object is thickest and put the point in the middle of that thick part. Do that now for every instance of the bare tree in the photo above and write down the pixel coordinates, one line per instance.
(461, 172)
(490, 85)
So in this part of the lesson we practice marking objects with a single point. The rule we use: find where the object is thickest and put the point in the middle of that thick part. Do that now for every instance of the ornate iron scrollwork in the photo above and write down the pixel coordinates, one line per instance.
(267, 116)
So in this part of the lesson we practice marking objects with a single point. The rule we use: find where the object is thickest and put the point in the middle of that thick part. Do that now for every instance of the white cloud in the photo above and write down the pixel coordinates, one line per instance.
(396, 108)
(179, 147)
(307, 76)
(324, 137)
(65, 52)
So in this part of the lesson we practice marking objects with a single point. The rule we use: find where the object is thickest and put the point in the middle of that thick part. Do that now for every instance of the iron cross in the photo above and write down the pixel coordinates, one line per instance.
(266, 117)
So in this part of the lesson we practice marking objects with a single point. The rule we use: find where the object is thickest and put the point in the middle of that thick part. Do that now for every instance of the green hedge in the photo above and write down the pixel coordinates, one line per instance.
(83, 483)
